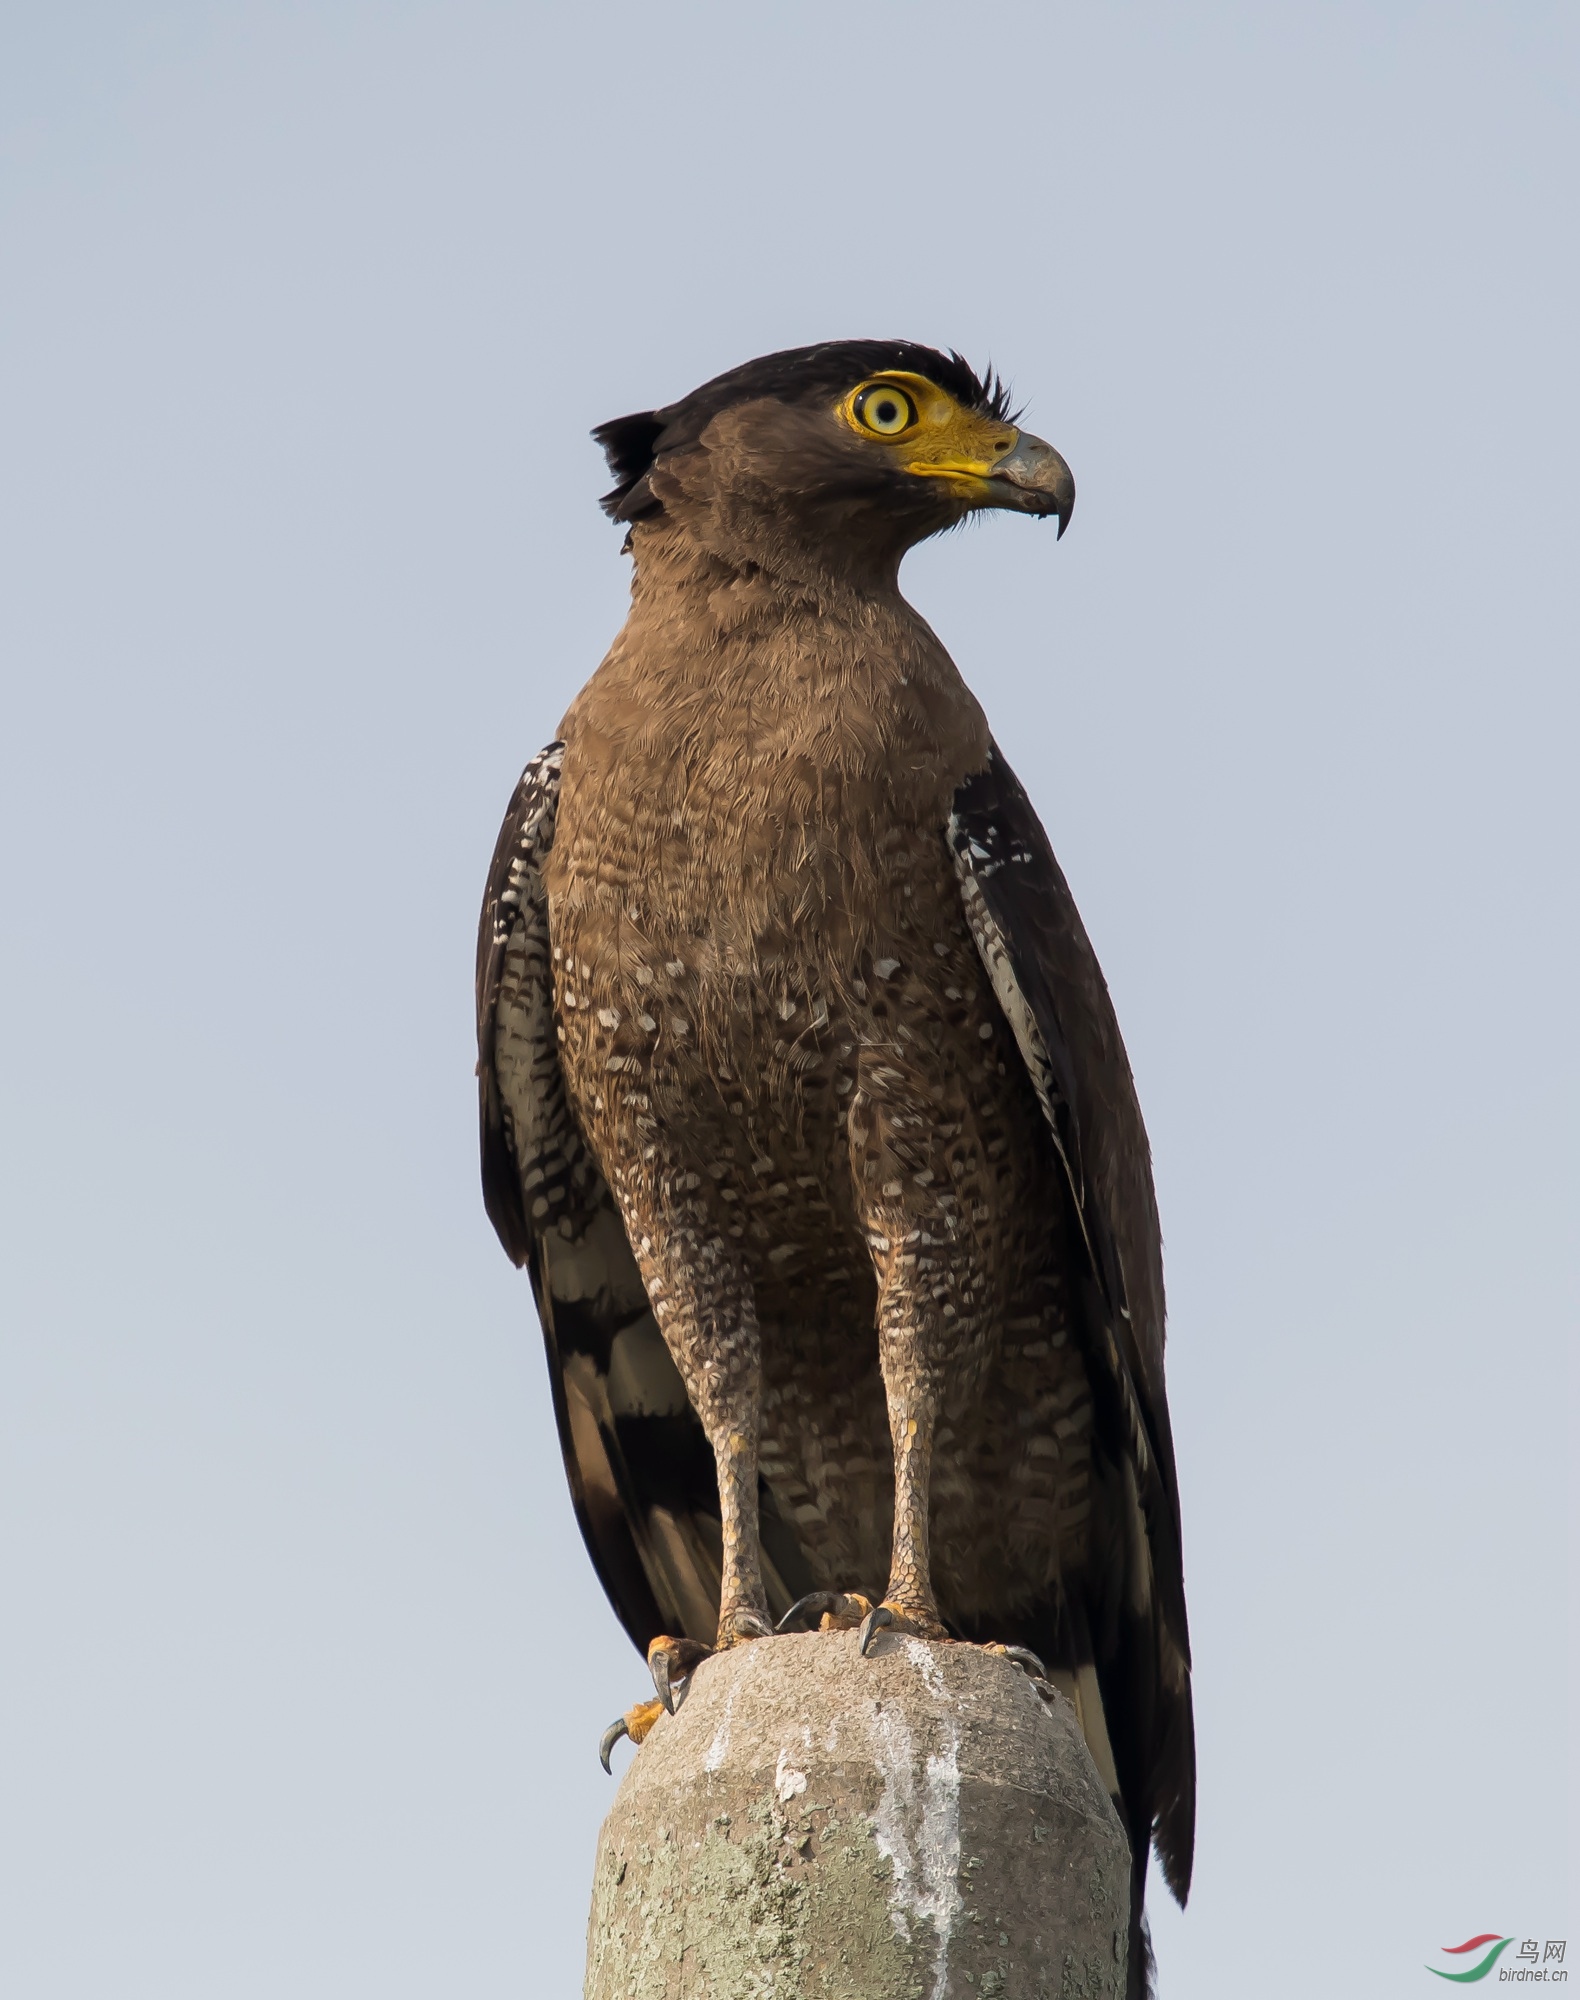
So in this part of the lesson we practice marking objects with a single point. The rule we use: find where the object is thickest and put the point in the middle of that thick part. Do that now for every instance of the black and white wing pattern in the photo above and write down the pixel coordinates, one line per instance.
(640, 1471)
(1051, 988)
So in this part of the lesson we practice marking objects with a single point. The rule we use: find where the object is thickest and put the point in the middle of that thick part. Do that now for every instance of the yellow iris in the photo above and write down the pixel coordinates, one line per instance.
(885, 408)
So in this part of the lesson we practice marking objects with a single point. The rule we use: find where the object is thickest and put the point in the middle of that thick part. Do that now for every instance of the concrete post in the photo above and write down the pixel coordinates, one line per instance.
(918, 1825)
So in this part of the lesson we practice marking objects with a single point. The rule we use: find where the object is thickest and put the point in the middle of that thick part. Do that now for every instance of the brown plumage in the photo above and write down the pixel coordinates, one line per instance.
(803, 1096)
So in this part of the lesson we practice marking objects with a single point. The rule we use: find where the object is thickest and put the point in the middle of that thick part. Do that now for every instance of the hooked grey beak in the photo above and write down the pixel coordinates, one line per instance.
(1033, 479)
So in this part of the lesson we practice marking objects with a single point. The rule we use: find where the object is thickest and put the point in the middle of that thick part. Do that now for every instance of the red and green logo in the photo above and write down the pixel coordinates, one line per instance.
(1482, 1966)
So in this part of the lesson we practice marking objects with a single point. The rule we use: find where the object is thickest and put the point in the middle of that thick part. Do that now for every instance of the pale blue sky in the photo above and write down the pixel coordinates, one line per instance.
(305, 313)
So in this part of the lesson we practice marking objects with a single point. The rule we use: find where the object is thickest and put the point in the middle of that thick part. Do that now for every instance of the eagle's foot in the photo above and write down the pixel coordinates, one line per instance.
(736, 1627)
(672, 1662)
(834, 1610)
(921, 1621)
(635, 1723)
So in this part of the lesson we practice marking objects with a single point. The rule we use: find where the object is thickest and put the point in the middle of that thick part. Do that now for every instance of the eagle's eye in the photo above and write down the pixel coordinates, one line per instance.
(885, 409)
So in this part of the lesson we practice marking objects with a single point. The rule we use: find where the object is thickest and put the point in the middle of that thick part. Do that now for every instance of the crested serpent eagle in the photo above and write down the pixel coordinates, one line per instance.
(803, 1099)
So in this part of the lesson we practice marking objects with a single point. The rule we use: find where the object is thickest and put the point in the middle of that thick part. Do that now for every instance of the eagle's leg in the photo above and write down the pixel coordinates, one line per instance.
(933, 1291)
(707, 1313)
(908, 1603)
(703, 1301)
(743, 1604)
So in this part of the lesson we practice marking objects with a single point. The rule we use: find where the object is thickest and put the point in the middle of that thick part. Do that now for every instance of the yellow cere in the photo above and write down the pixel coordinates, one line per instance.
(937, 438)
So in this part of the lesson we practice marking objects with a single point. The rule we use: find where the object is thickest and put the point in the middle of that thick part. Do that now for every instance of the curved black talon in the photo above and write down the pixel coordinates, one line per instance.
(609, 1739)
(672, 1661)
(813, 1605)
(844, 1609)
(879, 1616)
(1024, 1657)
(637, 1723)
(666, 1694)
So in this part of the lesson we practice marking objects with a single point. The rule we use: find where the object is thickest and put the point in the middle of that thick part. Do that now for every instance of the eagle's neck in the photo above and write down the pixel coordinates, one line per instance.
(758, 739)
(722, 663)
(727, 571)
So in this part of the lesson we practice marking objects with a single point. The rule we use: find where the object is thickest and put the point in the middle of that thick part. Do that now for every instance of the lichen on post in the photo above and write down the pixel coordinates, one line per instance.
(921, 1824)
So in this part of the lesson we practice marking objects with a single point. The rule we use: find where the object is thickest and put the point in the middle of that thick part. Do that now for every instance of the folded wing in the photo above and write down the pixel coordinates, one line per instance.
(1048, 982)
(640, 1471)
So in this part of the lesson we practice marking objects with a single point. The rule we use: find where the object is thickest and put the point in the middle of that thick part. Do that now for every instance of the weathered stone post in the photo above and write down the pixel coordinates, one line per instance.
(916, 1825)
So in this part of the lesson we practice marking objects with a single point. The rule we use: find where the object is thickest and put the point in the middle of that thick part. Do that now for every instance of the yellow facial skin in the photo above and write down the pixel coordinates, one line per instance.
(928, 432)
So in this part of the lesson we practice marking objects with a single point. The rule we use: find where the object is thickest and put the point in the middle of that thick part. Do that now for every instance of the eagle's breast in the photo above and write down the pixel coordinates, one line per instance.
(781, 1043)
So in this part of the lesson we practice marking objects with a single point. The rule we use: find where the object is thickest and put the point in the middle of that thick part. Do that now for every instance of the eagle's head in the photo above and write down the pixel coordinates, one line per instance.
(852, 450)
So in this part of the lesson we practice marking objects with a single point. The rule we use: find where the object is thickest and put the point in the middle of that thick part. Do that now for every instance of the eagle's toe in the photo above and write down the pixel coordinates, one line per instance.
(834, 1610)
(736, 1627)
(635, 1723)
(917, 1621)
(672, 1662)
